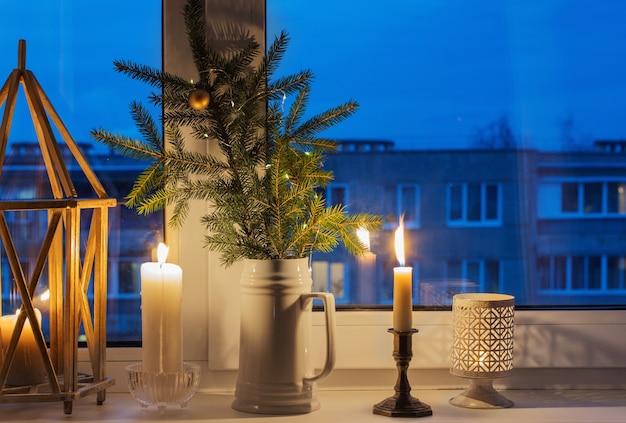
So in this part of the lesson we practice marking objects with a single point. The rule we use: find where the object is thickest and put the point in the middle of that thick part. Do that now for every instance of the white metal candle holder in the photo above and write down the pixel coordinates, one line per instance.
(482, 347)
(71, 270)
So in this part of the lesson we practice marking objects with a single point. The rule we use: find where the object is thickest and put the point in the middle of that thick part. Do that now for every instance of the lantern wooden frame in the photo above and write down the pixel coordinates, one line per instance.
(70, 271)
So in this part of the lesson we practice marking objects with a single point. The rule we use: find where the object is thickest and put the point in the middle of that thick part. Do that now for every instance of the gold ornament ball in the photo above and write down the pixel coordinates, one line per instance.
(199, 99)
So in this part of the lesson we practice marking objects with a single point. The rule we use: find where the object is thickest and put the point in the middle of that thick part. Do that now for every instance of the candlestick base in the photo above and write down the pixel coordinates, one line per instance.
(397, 406)
(402, 404)
(164, 388)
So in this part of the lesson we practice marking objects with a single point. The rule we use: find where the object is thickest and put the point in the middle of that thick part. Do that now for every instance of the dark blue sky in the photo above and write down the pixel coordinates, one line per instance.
(71, 45)
(427, 73)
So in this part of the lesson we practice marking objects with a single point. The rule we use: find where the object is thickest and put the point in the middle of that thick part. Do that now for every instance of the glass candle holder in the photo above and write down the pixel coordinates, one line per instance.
(163, 388)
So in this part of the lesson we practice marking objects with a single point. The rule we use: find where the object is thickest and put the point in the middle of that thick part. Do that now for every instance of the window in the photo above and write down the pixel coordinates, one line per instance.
(473, 204)
(402, 200)
(337, 194)
(73, 63)
(569, 199)
(331, 277)
(363, 348)
(550, 339)
(473, 275)
(616, 197)
(489, 171)
(594, 198)
(582, 275)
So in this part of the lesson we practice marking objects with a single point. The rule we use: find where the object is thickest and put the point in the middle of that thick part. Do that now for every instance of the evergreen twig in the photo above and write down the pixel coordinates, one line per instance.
(263, 184)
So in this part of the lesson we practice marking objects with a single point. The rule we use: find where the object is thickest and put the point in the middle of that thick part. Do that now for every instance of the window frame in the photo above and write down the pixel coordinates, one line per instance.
(464, 220)
(558, 184)
(560, 341)
(482, 272)
(568, 283)
(330, 201)
(399, 208)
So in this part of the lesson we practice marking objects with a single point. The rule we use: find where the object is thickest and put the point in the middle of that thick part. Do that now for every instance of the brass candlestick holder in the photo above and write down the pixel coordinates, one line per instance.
(402, 404)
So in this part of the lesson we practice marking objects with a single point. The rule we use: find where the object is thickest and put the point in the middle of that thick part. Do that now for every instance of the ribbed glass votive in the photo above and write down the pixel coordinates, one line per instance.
(165, 388)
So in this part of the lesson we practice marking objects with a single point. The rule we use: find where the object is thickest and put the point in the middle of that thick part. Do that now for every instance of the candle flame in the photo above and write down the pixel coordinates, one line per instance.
(162, 251)
(364, 236)
(399, 242)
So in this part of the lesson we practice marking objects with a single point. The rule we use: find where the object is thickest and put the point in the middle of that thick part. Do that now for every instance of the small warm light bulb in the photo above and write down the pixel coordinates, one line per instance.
(162, 251)
(45, 296)
(364, 236)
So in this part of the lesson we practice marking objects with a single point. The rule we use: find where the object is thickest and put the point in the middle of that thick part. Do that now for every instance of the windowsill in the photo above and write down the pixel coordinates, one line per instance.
(546, 406)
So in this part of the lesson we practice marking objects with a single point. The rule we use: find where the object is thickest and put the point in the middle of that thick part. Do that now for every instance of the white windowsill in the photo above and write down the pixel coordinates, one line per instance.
(572, 406)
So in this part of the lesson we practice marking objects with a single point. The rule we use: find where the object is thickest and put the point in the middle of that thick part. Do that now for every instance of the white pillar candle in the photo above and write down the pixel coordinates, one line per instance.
(402, 287)
(161, 315)
(27, 366)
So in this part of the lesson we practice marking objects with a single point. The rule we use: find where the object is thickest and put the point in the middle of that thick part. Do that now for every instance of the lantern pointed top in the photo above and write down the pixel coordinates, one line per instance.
(21, 54)
(42, 112)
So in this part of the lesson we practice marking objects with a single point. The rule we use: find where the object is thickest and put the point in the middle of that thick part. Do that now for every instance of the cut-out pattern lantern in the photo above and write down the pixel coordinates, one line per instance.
(482, 346)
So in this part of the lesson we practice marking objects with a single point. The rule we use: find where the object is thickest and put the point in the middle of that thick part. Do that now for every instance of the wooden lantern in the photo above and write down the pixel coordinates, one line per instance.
(70, 270)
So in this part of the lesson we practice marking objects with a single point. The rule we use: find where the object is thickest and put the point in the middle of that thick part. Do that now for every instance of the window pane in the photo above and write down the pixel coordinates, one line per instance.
(337, 195)
(491, 202)
(73, 63)
(615, 270)
(560, 273)
(504, 176)
(472, 272)
(128, 275)
(569, 197)
(544, 271)
(409, 201)
(592, 194)
(473, 202)
(456, 202)
(578, 272)
(455, 270)
(492, 276)
(390, 211)
(594, 274)
(337, 281)
(616, 197)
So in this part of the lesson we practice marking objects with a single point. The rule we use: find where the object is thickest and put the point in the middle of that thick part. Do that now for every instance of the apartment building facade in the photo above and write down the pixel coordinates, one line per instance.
(543, 226)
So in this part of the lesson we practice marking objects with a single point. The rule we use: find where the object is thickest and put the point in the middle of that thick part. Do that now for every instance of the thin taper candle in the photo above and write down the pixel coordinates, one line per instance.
(402, 287)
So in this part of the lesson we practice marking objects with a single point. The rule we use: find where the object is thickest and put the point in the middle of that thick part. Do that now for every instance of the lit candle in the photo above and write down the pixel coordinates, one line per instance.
(402, 287)
(161, 314)
(27, 366)
(366, 268)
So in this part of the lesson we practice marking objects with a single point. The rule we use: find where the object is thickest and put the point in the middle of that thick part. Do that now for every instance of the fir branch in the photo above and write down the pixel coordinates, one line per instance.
(326, 120)
(149, 180)
(265, 166)
(146, 125)
(193, 13)
(298, 107)
(275, 54)
(125, 145)
(151, 76)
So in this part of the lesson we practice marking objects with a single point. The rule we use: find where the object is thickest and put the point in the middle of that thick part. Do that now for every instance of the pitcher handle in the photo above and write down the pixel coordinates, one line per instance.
(329, 314)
